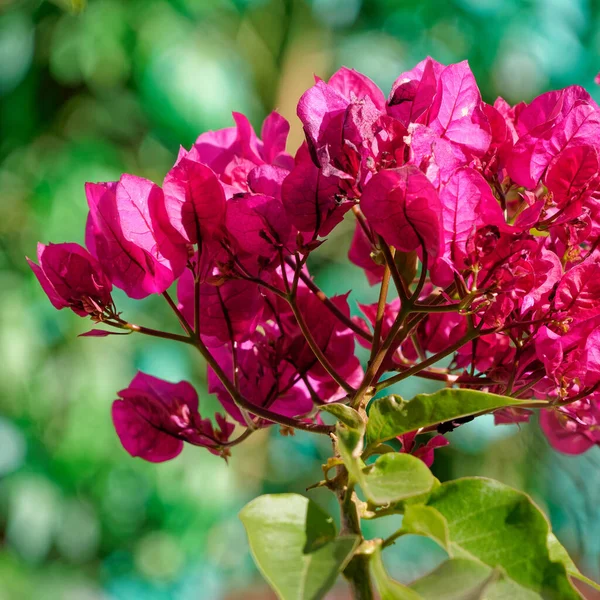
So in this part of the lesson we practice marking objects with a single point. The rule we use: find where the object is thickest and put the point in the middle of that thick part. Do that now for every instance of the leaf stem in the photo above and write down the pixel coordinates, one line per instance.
(389, 541)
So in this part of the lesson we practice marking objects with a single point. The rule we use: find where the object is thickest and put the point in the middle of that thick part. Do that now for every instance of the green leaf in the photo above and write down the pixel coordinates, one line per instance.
(401, 507)
(395, 477)
(502, 528)
(345, 414)
(482, 519)
(392, 416)
(392, 478)
(456, 579)
(427, 521)
(559, 554)
(388, 588)
(294, 545)
(507, 589)
(350, 447)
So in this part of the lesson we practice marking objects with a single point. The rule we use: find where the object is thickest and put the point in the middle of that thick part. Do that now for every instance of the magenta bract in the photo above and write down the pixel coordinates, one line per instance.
(426, 451)
(259, 223)
(403, 206)
(194, 200)
(154, 417)
(490, 211)
(128, 234)
(233, 153)
(229, 312)
(265, 378)
(312, 198)
(72, 278)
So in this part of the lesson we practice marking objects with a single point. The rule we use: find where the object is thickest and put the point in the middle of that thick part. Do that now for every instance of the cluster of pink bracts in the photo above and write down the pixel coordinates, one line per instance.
(500, 204)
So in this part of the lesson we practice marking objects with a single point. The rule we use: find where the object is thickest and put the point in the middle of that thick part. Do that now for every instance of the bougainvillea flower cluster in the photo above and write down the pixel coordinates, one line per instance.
(479, 222)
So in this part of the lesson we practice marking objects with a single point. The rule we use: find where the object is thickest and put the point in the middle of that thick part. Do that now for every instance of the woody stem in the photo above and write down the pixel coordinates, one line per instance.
(316, 290)
(238, 399)
(242, 403)
(357, 572)
(428, 362)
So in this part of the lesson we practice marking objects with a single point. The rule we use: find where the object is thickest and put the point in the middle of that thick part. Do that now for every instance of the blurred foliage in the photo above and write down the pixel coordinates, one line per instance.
(91, 90)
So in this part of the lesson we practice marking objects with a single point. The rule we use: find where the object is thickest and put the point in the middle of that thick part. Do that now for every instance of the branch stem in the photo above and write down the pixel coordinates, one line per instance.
(121, 324)
(242, 403)
(398, 281)
(182, 321)
(378, 359)
(315, 348)
(316, 290)
(194, 340)
(427, 363)
(383, 291)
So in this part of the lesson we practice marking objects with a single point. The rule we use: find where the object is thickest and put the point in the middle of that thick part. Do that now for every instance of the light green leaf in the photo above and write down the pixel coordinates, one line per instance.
(456, 579)
(507, 589)
(395, 477)
(504, 529)
(345, 414)
(388, 588)
(427, 521)
(294, 545)
(392, 416)
(400, 507)
(558, 553)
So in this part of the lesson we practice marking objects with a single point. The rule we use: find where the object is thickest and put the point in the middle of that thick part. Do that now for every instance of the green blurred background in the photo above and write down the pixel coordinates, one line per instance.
(90, 91)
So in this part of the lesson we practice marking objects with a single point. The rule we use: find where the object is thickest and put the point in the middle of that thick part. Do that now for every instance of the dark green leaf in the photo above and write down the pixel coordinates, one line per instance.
(392, 416)
(345, 414)
(294, 545)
